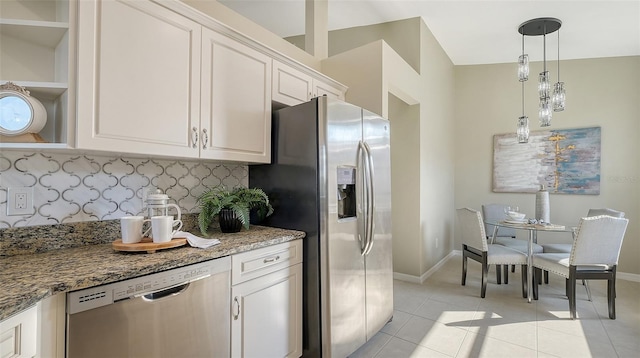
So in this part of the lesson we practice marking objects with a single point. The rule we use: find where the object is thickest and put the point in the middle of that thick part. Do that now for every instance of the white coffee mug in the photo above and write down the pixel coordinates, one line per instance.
(162, 228)
(131, 229)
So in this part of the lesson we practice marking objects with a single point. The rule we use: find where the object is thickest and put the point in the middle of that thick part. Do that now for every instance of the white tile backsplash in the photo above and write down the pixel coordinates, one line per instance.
(71, 188)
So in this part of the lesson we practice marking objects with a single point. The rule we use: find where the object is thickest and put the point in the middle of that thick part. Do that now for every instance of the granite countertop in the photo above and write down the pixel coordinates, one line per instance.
(27, 279)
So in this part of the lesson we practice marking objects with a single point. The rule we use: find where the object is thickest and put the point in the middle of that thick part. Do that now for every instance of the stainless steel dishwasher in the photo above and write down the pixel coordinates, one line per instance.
(177, 313)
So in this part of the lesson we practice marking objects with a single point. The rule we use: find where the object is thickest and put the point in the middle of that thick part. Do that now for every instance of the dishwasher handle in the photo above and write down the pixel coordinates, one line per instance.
(167, 292)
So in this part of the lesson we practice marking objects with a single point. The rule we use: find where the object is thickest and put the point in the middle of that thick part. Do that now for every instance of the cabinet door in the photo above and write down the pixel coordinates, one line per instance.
(321, 89)
(236, 100)
(290, 86)
(18, 334)
(138, 78)
(267, 315)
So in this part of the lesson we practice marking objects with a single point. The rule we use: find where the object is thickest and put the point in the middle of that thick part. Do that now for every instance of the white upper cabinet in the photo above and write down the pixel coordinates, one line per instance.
(138, 82)
(236, 106)
(37, 52)
(324, 89)
(154, 82)
(291, 86)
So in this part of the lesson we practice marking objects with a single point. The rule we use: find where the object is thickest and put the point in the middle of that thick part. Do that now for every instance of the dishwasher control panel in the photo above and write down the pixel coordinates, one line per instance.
(90, 298)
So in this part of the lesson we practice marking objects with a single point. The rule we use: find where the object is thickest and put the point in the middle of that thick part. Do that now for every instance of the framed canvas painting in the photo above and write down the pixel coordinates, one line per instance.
(565, 161)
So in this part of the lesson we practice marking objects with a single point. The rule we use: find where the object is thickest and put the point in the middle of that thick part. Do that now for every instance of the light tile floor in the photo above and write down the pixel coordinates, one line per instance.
(442, 318)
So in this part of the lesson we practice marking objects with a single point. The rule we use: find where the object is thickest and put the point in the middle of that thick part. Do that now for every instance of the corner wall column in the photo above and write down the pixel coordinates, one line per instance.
(316, 39)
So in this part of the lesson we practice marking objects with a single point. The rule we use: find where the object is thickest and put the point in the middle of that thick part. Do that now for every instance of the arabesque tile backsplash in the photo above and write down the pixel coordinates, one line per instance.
(72, 188)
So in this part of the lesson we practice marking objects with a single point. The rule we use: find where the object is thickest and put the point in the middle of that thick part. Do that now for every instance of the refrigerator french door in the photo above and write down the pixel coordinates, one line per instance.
(330, 177)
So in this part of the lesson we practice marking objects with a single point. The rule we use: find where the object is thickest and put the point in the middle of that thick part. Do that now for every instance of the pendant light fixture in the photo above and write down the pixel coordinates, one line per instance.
(522, 133)
(547, 102)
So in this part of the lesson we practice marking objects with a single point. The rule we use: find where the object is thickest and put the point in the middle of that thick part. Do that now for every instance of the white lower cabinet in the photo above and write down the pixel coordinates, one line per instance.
(18, 334)
(267, 302)
(51, 326)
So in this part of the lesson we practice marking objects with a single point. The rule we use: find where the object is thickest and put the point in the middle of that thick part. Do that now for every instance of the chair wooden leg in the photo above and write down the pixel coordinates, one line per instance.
(611, 293)
(524, 281)
(513, 268)
(498, 277)
(546, 277)
(464, 267)
(485, 273)
(506, 274)
(571, 291)
(536, 273)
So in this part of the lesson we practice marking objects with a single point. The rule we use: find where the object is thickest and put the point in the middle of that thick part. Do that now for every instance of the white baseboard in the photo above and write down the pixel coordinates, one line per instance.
(628, 276)
(420, 279)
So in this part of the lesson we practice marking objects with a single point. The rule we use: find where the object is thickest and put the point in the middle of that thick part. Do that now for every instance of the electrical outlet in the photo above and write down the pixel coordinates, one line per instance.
(20, 201)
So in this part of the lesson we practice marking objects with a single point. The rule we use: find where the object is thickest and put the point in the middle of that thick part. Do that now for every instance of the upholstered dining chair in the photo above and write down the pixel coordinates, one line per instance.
(566, 248)
(594, 256)
(475, 247)
(504, 236)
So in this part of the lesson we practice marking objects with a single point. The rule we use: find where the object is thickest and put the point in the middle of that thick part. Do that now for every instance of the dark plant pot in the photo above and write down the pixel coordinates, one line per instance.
(229, 222)
(255, 217)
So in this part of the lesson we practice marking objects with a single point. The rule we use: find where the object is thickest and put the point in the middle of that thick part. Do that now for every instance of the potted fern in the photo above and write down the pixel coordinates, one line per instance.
(232, 207)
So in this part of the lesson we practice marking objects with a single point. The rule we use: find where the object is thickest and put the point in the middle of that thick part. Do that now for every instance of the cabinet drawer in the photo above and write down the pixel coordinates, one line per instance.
(255, 263)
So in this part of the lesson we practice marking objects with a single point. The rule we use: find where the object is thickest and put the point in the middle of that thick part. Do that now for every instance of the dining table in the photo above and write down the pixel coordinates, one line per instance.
(533, 229)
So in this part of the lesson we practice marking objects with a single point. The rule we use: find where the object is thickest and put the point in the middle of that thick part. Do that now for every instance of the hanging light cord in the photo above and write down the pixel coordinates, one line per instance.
(523, 98)
(558, 55)
(544, 46)
(522, 81)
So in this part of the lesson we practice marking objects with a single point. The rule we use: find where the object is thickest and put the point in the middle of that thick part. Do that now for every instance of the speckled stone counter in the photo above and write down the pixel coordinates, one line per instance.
(28, 278)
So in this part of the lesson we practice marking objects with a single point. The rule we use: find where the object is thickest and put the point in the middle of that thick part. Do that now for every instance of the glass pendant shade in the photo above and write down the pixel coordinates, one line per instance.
(544, 113)
(558, 97)
(543, 85)
(522, 133)
(523, 68)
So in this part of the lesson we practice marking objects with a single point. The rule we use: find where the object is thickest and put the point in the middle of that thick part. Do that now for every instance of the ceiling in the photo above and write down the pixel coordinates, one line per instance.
(476, 31)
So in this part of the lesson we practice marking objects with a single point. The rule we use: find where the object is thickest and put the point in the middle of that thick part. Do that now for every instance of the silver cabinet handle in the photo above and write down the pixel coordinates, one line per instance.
(194, 137)
(271, 259)
(236, 304)
(205, 138)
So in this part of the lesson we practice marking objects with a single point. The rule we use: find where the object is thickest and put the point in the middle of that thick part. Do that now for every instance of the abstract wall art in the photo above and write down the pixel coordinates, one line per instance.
(565, 161)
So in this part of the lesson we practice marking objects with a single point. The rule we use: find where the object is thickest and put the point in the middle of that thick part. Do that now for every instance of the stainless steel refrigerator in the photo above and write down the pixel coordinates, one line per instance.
(330, 177)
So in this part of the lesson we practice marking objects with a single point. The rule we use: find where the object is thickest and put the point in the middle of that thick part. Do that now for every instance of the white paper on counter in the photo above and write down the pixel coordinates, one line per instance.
(196, 241)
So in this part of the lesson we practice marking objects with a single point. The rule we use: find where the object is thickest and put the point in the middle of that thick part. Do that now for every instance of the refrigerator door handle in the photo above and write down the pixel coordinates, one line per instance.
(362, 169)
(371, 197)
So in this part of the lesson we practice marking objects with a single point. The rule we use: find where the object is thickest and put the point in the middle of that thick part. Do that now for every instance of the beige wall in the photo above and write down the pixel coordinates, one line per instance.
(600, 92)
(402, 36)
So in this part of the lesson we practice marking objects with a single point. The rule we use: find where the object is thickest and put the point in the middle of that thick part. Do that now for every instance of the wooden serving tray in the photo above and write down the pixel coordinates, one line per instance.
(148, 245)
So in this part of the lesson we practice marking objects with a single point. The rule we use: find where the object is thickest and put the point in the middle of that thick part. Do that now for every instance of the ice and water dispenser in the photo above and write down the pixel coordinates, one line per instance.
(346, 192)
